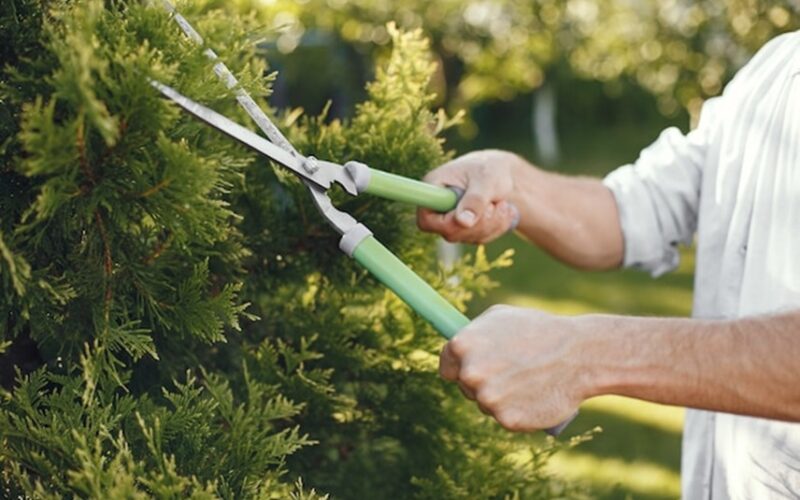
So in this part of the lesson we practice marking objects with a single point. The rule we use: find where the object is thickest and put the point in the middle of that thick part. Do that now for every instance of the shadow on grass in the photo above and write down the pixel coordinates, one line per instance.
(641, 442)
(628, 459)
(536, 280)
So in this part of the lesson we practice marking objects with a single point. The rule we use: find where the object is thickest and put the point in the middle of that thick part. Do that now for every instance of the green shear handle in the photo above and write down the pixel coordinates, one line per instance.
(402, 189)
(414, 291)
(398, 188)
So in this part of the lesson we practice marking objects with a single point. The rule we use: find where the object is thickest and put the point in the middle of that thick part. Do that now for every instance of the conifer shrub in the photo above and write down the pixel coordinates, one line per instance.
(177, 320)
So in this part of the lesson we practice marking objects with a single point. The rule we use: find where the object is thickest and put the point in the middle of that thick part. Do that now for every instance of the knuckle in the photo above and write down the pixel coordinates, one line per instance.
(467, 392)
(484, 239)
(497, 309)
(469, 237)
(438, 175)
(445, 372)
(471, 376)
(459, 346)
(424, 221)
(481, 230)
(478, 167)
(488, 399)
(510, 420)
(476, 198)
(450, 237)
(451, 173)
(431, 177)
(448, 232)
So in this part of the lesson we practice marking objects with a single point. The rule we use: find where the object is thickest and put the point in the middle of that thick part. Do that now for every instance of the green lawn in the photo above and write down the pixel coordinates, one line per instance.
(638, 453)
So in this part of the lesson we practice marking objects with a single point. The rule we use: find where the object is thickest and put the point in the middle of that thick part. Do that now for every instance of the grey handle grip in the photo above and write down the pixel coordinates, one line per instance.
(558, 429)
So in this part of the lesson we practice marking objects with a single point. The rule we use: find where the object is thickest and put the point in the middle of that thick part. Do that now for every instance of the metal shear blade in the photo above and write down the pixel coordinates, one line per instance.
(319, 173)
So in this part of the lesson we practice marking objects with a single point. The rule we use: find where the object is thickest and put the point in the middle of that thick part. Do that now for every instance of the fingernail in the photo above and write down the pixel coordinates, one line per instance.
(466, 217)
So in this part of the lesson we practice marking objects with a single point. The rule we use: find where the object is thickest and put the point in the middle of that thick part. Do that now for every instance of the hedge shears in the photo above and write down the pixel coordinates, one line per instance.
(354, 178)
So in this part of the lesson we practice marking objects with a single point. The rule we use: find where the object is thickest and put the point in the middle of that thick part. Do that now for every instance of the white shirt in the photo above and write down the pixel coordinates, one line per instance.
(735, 182)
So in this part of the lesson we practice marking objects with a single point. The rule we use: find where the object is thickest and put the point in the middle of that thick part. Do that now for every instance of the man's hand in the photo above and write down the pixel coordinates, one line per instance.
(484, 212)
(521, 366)
(574, 219)
(530, 370)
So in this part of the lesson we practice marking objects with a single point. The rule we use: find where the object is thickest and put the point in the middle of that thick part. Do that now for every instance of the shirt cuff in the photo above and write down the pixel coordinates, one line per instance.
(642, 235)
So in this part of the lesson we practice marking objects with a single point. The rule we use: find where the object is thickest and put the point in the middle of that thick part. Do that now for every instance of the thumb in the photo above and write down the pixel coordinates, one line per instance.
(472, 205)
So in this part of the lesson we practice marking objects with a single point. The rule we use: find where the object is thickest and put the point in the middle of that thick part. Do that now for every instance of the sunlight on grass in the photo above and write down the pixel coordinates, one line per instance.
(686, 266)
(666, 418)
(558, 306)
(638, 478)
(663, 299)
(671, 300)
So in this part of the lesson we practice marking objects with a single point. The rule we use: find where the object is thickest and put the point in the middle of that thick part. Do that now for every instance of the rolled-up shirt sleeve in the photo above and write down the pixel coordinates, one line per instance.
(658, 196)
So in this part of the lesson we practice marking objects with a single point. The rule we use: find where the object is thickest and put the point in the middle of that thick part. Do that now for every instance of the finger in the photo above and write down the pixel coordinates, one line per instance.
(503, 221)
(449, 365)
(473, 205)
(476, 232)
(441, 224)
(492, 224)
(485, 410)
(466, 391)
(448, 174)
(489, 213)
(432, 222)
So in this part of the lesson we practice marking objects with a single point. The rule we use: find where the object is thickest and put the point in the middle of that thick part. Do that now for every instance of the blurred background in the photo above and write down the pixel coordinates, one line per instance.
(578, 86)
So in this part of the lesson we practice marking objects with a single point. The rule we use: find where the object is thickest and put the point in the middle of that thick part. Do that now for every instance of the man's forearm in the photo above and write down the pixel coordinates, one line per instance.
(574, 219)
(531, 370)
(747, 366)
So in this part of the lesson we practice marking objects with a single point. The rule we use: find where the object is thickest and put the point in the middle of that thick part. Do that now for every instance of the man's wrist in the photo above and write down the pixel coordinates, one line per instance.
(617, 352)
(526, 179)
(596, 338)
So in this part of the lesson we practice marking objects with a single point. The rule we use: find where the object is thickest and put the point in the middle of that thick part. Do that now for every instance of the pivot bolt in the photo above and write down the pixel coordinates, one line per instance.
(311, 165)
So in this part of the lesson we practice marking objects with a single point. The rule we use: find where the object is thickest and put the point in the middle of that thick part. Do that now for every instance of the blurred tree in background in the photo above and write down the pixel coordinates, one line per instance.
(682, 51)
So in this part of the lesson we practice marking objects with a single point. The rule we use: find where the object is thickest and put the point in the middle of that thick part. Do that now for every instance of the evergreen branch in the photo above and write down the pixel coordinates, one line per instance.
(187, 223)
(121, 129)
(108, 265)
(159, 249)
(153, 190)
(301, 209)
(145, 293)
(18, 268)
(83, 159)
(107, 262)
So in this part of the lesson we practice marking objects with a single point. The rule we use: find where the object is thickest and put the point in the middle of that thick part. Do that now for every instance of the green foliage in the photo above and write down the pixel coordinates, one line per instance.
(682, 51)
(179, 320)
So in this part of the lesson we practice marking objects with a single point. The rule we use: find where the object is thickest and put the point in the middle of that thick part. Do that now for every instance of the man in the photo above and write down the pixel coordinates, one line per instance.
(735, 182)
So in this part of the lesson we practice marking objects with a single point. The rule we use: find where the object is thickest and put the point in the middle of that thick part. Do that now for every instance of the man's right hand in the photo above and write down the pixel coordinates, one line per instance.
(486, 210)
